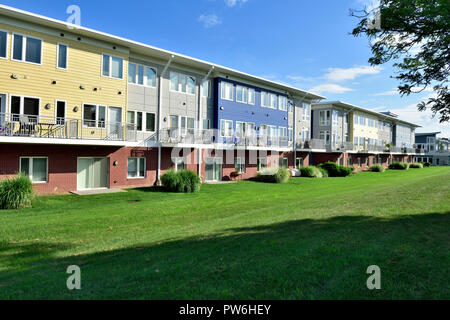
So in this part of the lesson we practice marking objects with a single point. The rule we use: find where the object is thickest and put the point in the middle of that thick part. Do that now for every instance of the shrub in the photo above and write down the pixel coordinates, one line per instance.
(399, 166)
(181, 181)
(416, 166)
(324, 172)
(16, 193)
(377, 168)
(427, 164)
(311, 172)
(273, 175)
(335, 170)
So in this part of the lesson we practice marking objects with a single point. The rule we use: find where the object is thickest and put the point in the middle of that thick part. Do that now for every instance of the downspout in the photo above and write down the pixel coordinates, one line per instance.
(199, 116)
(295, 130)
(158, 178)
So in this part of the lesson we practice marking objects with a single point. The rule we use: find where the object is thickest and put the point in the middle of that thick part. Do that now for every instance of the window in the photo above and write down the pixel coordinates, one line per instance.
(141, 75)
(356, 119)
(3, 44)
(60, 112)
(178, 164)
(27, 49)
(112, 66)
(325, 135)
(356, 141)
(283, 132)
(273, 101)
(283, 163)
(206, 91)
(94, 116)
(362, 120)
(299, 163)
(359, 162)
(346, 117)
(226, 91)
(150, 122)
(174, 122)
(362, 141)
(139, 121)
(251, 96)
(305, 134)
(335, 118)
(239, 129)
(226, 128)
(367, 161)
(182, 83)
(187, 124)
(62, 56)
(265, 99)
(241, 94)
(349, 162)
(239, 164)
(136, 168)
(131, 117)
(24, 106)
(306, 112)
(291, 134)
(261, 163)
(206, 124)
(324, 118)
(35, 168)
(282, 103)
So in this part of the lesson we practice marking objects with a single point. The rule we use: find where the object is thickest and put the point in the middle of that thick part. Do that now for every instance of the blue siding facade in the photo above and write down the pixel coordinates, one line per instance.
(237, 111)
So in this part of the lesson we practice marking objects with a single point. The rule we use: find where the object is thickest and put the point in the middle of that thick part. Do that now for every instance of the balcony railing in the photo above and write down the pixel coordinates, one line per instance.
(312, 144)
(185, 136)
(16, 125)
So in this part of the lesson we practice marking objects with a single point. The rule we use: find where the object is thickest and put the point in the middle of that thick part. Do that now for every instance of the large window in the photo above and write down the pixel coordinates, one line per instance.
(362, 120)
(306, 111)
(112, 66)
(141, 75)
(3, 44)
(150, 122)
(60, 112)
(283, 132)
(226, 128)
(141, 120)
(24, 106)
(273, 100)
(265, 99)
(251, 96)
(324, 117)
(305, 134)
(35, 168)
(226, 91)
(241, 94)
(62, 56)
(27, 49)
(182, 83)
(262, 163)
(325, 135)
(94, 116)
(187, 124)
(206, 89)
(282, 103)
(239, 164)
(335, 117)
(136, 168)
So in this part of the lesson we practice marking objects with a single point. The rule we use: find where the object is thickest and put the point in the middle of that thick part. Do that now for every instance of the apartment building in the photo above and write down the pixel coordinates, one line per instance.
(359, 137)
(83, 110)
(432, 149)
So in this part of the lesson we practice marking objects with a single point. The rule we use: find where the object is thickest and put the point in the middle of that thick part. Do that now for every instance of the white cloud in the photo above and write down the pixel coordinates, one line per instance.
(340, 74)
(232, 3)
(209, 20)
(330, 88)
(300, 79)
(395, 92)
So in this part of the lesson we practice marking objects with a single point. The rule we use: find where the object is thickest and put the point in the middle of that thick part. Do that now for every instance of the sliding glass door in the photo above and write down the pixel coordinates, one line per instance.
(92, 173)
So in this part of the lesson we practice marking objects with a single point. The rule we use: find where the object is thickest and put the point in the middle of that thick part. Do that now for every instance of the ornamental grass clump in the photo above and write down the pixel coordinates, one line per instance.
(182, 181)
(16, 193)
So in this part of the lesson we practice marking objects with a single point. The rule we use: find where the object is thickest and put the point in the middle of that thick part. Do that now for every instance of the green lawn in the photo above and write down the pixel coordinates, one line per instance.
(308, 239)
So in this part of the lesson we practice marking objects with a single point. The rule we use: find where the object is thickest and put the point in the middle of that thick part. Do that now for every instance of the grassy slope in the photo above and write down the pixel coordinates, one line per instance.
(309, 239)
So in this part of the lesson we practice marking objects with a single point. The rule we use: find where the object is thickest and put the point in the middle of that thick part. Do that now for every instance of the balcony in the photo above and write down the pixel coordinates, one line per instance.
(185, 136)
(31, 126)
(339, 147)
(311, 144)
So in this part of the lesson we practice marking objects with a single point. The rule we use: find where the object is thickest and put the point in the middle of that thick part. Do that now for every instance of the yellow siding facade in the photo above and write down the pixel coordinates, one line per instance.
(84, 69)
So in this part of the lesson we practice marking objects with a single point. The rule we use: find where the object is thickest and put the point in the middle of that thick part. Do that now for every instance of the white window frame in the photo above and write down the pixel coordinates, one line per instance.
(180, 85)
(7, 45)
(223, 91)
(56, 110)
(145, 75)
(30, 168)
(144, 120)
(267, 95)
(222, 122)
(208, 93)
(306, 112)
(283, 132)
(184, 130)
(97, 106)
(254, 96)
(335, 117)
(110, 66)
(57, 56)
(273, 98)
(24, 48)
(283, 103)
(22, 98)
(327, 120)
(260, 161)
(244, 94)
(138, 167)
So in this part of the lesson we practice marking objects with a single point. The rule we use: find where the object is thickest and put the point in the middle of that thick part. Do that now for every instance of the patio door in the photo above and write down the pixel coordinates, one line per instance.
(92, 173)
(115, 123)
(213, 169)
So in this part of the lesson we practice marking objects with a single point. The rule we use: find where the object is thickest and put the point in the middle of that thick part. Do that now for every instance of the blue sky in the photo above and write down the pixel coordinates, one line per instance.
(300, 42)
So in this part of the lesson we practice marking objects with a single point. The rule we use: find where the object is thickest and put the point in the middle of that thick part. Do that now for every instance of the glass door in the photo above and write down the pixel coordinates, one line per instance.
(2, 110)
(213, 169)
(92, 173)
(115, 123)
